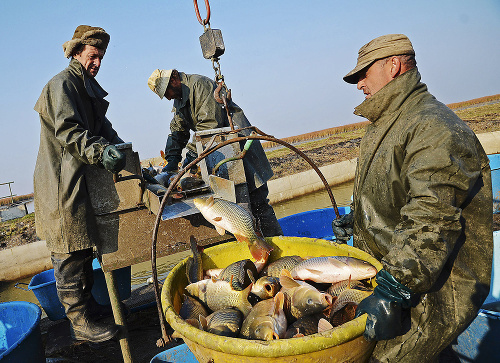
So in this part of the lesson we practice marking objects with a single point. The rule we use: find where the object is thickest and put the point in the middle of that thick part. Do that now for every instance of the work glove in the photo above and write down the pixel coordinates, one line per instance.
(342, 227)
(385, 308)
(113, 160)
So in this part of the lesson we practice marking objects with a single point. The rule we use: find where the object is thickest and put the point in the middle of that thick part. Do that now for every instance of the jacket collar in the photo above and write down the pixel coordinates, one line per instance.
(390, 97)
(93, 88)
(185, 92)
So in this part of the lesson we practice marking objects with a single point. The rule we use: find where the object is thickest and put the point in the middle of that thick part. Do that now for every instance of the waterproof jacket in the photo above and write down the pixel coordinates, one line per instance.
(74, 132)
(423, 207)
(198, 110)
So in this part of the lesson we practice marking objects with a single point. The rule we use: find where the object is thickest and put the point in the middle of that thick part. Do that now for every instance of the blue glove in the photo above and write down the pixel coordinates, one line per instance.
(385, 308)
(342, 227)
(113, 159)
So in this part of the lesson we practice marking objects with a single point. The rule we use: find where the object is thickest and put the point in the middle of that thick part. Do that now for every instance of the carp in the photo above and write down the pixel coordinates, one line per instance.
(302, 299)
(239, 273)
(283, 263)
(191, 309)
(333, 269)
(188, 183)
(266, 320)
(231, 217)
(337, 287)
(194, 268)
(218, 294)
(225, 322)
(266, 287)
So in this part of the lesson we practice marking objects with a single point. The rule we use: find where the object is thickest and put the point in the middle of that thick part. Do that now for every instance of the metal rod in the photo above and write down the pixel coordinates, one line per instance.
(114, 297)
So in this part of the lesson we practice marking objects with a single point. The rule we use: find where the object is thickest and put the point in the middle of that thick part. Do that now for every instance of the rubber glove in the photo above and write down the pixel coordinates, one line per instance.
(342, 227)
(385, 308)
(113, 160)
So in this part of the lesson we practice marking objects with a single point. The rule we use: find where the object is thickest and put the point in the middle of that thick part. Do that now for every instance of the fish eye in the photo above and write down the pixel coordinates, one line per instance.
(268, 287)
(309, 301)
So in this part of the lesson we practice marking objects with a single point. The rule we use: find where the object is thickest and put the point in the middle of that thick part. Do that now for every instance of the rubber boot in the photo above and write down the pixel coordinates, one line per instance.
(74, 285)
(264, 213)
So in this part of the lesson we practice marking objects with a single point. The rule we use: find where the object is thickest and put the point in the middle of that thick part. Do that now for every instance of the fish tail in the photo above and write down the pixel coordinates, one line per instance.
(259, 249)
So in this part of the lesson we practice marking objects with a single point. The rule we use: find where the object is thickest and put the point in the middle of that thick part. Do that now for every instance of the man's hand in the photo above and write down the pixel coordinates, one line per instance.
(342, 227)
(113, 160)
(385, 308)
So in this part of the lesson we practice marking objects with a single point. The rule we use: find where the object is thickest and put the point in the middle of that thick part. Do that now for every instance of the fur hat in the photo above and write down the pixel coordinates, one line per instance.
(89, 35)
(379, 48)
(158, 81)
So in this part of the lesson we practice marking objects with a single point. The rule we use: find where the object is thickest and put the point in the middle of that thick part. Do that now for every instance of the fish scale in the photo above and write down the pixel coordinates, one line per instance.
(348, 296)
(220, 295)
(225, 322)
(236, 274)
(231, 217)
(191, 308)
(284, 263)
(236, 216)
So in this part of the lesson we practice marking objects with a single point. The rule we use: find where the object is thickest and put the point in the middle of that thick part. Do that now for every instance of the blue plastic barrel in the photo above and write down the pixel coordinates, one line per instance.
(315, 223)
(178, 354)
(20, 336)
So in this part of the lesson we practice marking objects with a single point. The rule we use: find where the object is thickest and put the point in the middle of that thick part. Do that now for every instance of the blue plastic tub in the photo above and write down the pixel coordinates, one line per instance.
(20, 337)
(178, 354)
(123, 277)
(316, 223)
(43, 286)
(479, 342)
(495, 180)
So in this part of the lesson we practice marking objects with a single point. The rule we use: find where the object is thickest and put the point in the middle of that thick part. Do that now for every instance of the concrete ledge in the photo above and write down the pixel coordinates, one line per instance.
(24, 261)
(490, 142)
(308, 181)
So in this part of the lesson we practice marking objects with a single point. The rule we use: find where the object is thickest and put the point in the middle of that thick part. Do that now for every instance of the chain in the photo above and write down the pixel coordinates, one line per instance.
(218, 74)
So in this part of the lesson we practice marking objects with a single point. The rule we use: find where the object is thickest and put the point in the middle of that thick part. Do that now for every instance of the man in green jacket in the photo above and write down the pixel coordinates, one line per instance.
(422, 206)
(195, 108)
(75, 135)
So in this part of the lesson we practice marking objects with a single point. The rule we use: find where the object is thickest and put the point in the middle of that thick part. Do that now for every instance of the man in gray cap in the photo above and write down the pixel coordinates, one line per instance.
(195, 108)
(75, 135)
(422, 206)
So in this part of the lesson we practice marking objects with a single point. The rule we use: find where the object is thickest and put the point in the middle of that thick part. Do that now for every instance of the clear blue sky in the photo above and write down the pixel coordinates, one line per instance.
(284, 61)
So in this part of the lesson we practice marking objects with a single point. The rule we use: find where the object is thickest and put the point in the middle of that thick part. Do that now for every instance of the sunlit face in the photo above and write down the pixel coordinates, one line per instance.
(376, 76)
(90, 58)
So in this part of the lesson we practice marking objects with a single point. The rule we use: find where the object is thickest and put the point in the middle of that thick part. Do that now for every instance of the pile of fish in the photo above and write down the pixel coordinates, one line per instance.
(267, 301)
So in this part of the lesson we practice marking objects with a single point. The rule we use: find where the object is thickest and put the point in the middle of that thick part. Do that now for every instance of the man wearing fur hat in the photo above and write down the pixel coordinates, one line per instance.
(75, 135)
(422, 206)
(195, 108)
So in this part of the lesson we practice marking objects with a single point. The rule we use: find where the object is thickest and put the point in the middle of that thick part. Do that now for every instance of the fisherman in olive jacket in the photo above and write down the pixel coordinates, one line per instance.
(195, 108)
(75, 135)
(422, 206)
